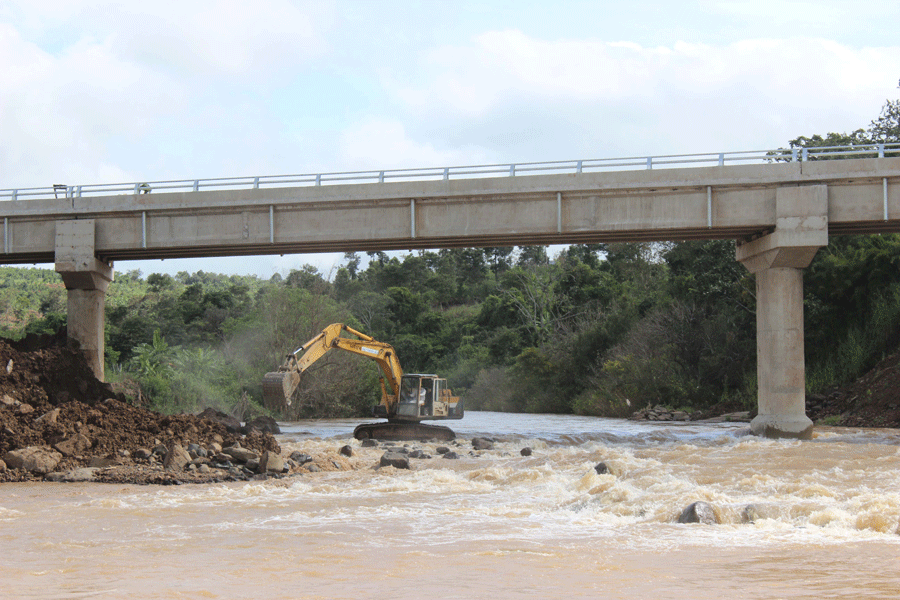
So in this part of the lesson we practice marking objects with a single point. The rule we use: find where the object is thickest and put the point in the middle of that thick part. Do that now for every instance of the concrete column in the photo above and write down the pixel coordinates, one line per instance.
(778, 260)
(86, 280)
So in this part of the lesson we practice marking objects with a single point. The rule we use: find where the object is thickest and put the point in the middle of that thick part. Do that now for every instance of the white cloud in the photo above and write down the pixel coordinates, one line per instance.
(385, 144)
(681, 98)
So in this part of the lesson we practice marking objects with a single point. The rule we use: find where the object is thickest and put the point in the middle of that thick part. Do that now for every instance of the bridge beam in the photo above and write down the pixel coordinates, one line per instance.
(86, 280)
(778, 259)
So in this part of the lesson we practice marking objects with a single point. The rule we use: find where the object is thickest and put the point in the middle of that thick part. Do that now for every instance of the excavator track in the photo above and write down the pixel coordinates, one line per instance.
(402, 431)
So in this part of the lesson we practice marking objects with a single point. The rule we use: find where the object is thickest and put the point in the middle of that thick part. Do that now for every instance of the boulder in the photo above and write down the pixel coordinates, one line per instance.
(480, 443)
(442, 449)
(750, 514)
(176, 458)
(48, 418)
(79, 475)
(525, 451)
(264, 424)
(346, 451)
(36, 459)
(394, 459)
(2, 466)
(451, 455)
(24, 409)
(699, 512)
(73, 446)
(142, 454)
(8, 400)
(416, 454)
(300, 458)
(601, 468)
(231, 424)
(368, 443)
(270, 462)
(239, 454)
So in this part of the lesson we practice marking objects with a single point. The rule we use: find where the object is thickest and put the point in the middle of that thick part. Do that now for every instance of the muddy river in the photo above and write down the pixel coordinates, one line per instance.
(492, 524)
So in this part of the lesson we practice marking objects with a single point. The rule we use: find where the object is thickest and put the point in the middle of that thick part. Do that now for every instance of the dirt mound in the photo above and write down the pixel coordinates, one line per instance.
(50, 397)
(871, 401)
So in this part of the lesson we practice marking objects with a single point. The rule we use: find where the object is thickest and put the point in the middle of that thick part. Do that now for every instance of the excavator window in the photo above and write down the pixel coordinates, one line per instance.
(426, 397)
(409, 397)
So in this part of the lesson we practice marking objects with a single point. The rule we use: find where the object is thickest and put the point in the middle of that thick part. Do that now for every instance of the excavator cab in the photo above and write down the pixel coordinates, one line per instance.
(425, 396)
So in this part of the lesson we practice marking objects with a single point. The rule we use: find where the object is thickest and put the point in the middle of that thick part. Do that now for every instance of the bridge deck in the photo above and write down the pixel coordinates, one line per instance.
(635, 205)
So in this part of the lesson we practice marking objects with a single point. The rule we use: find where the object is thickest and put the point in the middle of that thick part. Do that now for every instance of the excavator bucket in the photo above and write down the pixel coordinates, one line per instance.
(279, 388)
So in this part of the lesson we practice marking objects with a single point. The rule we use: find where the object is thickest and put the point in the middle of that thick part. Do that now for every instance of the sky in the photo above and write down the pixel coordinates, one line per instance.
(112, 91)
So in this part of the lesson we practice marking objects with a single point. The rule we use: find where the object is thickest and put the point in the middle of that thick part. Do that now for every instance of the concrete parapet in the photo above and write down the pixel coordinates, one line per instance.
(86, 279)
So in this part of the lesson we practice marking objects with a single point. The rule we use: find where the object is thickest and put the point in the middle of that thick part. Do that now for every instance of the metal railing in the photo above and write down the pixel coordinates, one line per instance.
(458, 172)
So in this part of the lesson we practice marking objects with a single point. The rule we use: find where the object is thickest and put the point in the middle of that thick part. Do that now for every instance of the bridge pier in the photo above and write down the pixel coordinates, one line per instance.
(778, 259)
(86, 280)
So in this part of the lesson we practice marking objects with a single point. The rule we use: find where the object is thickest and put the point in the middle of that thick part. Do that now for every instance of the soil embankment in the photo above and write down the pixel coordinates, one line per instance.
(871, 401)
(57, 417)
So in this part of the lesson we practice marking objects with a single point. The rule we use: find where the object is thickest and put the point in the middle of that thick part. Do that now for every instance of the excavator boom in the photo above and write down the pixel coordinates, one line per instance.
(279, 386)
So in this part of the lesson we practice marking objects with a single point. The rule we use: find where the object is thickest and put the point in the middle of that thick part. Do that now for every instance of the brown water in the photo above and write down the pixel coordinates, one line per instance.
(497, 525)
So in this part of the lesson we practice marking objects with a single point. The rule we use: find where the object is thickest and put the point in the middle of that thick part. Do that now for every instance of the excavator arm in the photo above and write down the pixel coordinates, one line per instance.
(279, 386)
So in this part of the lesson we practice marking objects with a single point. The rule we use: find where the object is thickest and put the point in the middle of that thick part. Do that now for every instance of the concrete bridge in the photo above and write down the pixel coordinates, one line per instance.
(780, 213)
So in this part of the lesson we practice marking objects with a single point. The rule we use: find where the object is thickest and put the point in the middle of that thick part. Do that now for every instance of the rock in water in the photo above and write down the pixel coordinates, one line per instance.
(394, 459)
(479, 443)
(750, 514)
(368, 443)
(36, 459)
(601, 468)
(346, 451)
(699, 512)
(78, 475)
(300, 458)
(525, 451)
(271, 462)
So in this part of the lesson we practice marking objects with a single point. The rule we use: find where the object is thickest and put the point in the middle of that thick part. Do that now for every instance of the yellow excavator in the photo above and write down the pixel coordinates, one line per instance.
(406, 399)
